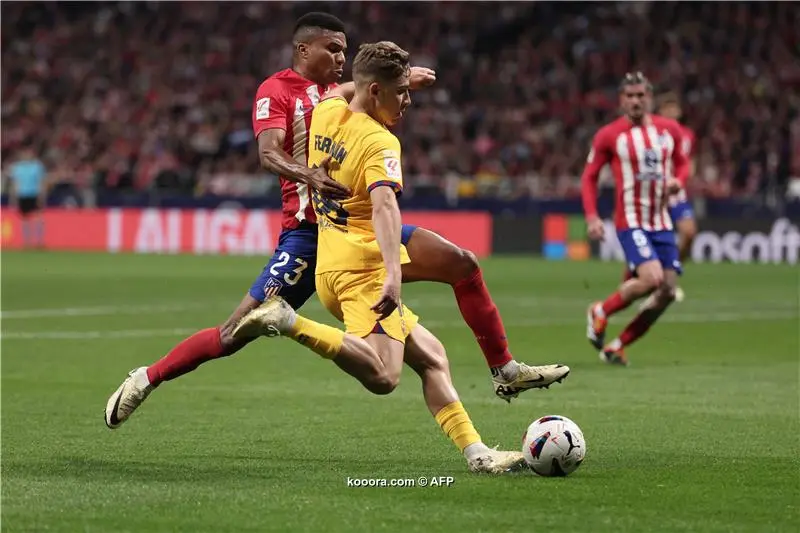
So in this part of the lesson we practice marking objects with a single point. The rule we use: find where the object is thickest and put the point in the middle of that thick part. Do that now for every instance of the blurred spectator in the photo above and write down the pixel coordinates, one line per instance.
(137, 96)
(27, 184)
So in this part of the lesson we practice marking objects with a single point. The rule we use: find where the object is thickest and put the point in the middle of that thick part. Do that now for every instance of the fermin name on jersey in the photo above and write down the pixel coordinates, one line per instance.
(326, 144)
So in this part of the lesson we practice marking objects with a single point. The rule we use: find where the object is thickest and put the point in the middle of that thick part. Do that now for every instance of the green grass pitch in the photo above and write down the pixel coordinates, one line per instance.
(699, 434)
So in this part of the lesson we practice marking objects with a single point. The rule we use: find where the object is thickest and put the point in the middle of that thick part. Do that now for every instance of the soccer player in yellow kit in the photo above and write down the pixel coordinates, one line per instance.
(359, 254)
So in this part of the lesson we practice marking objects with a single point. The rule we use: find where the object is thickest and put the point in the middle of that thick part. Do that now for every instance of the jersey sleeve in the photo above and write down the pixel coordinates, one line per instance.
(599, 156)
(271, 107)
(688, 144)
(382, 166)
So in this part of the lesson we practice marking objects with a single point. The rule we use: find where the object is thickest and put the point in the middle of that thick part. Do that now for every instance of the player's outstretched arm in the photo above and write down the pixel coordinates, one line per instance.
(598, 157)
(419, 78)
(273, 112)
(275, 159)
(386, 222)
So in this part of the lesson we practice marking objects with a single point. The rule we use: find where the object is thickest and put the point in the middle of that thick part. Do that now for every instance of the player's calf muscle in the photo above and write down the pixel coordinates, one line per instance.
(651, 275)
(666, 291)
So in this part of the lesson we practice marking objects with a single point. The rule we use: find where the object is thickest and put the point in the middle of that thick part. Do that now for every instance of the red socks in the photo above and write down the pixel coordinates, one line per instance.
(614, 304)
(186, 356)
(481, 315)
(639, 325)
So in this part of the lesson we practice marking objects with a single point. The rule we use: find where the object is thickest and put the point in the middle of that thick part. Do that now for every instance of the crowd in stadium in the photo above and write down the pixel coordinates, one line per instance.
(158, 95)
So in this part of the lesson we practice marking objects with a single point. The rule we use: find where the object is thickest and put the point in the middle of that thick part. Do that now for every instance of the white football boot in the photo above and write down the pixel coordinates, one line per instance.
(528, 377)
(272, 318)
(496, 462)
(129, 396)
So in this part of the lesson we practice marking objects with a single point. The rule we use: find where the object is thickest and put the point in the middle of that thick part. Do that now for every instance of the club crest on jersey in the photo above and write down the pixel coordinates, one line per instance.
(262, 109)
(650, 159)
(651, 165)
(272, 287)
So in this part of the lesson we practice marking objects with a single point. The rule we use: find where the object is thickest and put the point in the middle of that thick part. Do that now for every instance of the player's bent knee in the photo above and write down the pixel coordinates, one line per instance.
(382, 383)
(465, 263)
(469, 260)
(653, 279)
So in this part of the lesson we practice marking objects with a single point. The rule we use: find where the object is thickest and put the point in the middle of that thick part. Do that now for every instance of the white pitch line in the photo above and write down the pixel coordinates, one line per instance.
(676, 318)
(96, 335)
(545, 304)
(174, 332)
(97, 311)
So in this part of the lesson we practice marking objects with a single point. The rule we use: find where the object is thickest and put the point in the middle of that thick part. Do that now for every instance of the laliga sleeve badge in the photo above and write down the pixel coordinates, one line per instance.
(262, 109)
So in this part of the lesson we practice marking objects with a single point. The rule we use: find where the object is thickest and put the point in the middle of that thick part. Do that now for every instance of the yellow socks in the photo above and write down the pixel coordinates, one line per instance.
(321, 339)
(455, 423)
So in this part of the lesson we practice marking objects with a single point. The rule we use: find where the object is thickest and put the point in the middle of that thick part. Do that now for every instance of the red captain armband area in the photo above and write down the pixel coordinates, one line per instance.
(398, 189)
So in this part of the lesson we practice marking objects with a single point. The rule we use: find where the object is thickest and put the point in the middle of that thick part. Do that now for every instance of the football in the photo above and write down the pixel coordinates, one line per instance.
(553, 446)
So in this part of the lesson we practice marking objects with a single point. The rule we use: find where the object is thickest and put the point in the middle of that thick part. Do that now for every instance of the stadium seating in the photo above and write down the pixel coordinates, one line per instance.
(135, 96)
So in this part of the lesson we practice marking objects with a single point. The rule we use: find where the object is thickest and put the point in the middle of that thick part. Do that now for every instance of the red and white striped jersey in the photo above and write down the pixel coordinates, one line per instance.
(285, 100)
(642, 158)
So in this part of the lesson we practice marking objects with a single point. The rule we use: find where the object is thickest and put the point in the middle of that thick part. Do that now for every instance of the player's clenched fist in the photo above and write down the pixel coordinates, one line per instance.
(595, 228)
(674, 186)
(421, 77)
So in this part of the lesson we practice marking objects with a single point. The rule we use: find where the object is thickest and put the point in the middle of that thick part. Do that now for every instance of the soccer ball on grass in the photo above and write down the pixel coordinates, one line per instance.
(553, 446)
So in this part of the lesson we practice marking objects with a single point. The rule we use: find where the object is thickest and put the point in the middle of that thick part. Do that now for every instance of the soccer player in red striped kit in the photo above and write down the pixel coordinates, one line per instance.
(649, 165)
(281, 119)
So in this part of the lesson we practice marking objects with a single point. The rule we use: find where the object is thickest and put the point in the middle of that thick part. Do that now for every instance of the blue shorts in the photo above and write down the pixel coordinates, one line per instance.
(641, 246)
(290, 271)
(680, 211)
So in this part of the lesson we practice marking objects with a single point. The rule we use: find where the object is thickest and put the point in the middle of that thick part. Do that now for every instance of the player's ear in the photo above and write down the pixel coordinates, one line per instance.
(302, 50)
(374, 89)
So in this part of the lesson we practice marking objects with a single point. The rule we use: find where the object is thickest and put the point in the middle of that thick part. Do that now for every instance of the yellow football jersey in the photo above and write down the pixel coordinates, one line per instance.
(364, 155)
